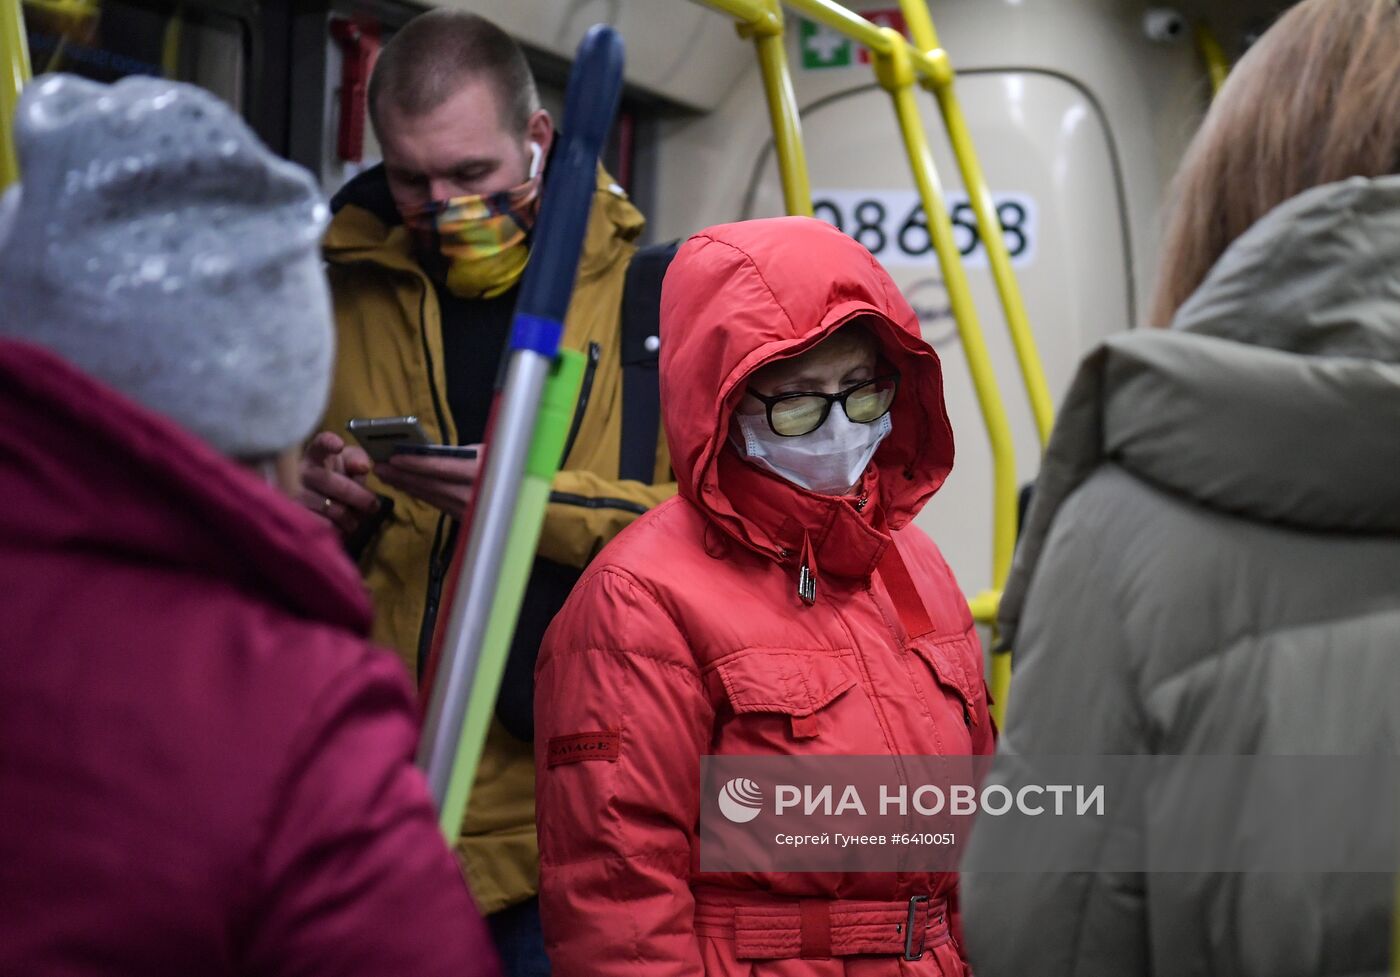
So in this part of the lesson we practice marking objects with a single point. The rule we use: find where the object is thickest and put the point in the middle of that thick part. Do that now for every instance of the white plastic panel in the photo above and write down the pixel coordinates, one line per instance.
(675, 49)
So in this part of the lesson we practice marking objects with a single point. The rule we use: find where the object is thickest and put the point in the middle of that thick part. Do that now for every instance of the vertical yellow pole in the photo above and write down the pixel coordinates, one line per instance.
(895, 72)
(170, 44)
(767, 34)
(14, 49)
(1217, 65)
(920, 24)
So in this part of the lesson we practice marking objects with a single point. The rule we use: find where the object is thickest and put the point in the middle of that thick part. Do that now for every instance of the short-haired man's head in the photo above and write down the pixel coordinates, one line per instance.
(434, 54)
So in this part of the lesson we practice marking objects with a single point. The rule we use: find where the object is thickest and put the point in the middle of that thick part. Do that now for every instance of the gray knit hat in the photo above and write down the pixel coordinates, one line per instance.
(157, 245)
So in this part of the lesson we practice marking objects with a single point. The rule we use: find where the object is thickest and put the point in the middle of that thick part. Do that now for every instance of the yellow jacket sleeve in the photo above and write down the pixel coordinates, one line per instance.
(586, 511)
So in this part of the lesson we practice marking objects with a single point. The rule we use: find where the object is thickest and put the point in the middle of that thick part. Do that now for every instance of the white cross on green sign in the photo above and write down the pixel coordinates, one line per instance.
(823, 47)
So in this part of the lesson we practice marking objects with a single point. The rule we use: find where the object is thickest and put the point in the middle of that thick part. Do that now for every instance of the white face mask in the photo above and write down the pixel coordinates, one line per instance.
(828, 461)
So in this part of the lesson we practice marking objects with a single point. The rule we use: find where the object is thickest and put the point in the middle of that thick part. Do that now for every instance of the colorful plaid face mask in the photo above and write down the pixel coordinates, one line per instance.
(484, 238)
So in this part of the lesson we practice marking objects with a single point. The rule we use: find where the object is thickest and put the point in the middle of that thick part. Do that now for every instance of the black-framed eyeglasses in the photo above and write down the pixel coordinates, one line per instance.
(795, 414)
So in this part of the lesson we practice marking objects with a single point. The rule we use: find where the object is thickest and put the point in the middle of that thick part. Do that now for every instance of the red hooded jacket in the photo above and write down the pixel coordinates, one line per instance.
(204, 767)
(687, 637)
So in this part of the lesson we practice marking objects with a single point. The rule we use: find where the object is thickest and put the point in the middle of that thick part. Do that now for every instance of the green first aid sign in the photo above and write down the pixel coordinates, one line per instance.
(823, 47)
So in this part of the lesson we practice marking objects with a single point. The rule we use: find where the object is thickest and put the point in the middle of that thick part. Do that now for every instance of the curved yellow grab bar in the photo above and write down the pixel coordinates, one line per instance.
(895, 72)
(920, 24)
(984, 606)
(762, 20)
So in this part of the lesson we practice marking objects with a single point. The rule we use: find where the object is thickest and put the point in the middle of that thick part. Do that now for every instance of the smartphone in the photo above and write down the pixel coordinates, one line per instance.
(437, 450)
(379, 435)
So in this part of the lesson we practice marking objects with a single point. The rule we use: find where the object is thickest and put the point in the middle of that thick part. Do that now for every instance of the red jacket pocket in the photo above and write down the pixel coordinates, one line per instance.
(795, 684)
(957, 665)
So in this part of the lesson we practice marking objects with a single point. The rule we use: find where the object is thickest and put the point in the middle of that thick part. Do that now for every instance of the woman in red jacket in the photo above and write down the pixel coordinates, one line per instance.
(783, 604)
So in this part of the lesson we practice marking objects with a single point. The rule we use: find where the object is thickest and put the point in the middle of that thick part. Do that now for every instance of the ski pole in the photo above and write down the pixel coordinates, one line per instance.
(595, 84)
(551, 431)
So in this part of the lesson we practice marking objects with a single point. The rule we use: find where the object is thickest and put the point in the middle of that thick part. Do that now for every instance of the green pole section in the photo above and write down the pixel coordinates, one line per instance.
(546, 451)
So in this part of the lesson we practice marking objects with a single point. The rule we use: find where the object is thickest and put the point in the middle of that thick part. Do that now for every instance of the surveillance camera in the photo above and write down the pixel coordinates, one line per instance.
(1163, 24)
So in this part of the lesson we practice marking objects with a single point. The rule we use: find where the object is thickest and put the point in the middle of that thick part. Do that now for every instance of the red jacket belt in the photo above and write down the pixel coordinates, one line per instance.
(820, 928)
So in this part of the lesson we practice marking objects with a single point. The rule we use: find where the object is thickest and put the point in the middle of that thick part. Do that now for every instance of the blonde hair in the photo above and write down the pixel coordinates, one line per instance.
(853, 338)
(1315, 101)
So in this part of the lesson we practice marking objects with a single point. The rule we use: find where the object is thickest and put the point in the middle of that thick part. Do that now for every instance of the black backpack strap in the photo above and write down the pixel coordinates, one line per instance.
(641, 346)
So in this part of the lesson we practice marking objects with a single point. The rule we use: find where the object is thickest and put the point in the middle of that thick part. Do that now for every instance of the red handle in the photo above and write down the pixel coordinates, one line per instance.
(359, 43)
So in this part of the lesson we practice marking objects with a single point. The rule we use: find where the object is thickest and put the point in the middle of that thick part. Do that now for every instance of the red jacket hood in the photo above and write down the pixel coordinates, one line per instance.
(740, 295)
(83, 467)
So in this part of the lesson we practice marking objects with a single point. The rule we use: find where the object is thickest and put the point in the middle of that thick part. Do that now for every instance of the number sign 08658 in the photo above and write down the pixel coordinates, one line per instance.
(891, 224)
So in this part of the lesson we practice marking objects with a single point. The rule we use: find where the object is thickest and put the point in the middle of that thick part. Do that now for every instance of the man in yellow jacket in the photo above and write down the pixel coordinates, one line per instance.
(425, 255)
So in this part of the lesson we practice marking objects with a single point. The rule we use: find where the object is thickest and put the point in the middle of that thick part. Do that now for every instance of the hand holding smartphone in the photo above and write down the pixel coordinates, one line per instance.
(442, 475)
(384, 437)
(467, 452)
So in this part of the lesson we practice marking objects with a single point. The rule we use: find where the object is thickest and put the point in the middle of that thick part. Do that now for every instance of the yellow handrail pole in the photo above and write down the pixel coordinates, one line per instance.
(902, 66)
(1217, 65)
(762, 20)
(941, 82)
(894, 69)
(984, 606)
(170, 43)
(14, 47)
(846, 22)
(787, 125)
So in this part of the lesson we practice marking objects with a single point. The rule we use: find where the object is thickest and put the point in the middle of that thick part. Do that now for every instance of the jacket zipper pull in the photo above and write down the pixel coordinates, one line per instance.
(807, 574)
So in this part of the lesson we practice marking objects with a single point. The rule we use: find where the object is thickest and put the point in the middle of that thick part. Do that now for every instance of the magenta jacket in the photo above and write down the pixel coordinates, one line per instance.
(204, 767)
